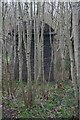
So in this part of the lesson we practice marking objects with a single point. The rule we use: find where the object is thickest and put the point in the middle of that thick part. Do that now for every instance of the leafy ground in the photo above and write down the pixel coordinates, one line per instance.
(57, 103)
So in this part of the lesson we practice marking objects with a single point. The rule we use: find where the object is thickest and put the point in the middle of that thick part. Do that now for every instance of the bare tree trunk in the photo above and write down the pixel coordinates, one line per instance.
(51, 73)
(29, 36)
(38, 42)
(68, 22)
(42, 52)
(14, 5)
(10, 62)
(4, 64)
(76, 36)
(1, 58)
(20, 54)
(62, 38)
(35, 47)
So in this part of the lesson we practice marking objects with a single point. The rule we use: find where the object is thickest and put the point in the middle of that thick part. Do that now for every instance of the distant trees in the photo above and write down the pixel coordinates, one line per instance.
(21, 21)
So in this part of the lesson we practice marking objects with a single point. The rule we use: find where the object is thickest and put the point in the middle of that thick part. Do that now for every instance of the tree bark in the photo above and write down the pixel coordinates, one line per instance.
(76, 36)
(1, 58)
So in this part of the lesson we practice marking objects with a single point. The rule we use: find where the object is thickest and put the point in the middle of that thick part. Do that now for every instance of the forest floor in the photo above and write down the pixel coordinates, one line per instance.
(58, 102)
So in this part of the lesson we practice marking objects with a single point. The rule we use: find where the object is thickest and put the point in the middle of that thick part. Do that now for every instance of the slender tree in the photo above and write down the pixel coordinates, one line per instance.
(76, 37)
(29, 36)
(1, 57)
(62, 37)
(42, 51)
(68, 22)
(51, 73)
(20, 53)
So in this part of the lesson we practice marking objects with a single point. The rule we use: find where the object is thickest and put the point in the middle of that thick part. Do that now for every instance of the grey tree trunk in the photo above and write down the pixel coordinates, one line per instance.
(1, 58)
(68, 22)
(4, 61)
(62, 37)
(29, 37)
(42, 52)
(35, 47)
(51, 73)
(38, 41)
(20, 54)
(76, 37)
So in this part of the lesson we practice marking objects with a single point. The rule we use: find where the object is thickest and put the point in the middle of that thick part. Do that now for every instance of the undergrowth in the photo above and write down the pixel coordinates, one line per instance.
(58, 103)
